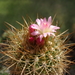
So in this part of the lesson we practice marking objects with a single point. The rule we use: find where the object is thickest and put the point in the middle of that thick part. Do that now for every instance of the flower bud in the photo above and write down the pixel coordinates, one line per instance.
(31, 40)
(40, 42)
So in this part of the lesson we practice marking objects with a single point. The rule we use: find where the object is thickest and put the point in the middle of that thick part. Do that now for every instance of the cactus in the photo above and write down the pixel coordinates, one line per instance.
(29, 54)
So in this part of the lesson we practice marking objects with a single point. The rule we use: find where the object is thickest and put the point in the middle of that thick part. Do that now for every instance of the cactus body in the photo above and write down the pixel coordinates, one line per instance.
(25, 58)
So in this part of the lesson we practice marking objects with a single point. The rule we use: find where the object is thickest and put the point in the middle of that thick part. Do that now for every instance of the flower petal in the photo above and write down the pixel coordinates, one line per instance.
(44, 20)
(38, 21)
(54, 27)
(45, 34)
(34, 26)
(41, 36)
(50, 20)
(35, 33)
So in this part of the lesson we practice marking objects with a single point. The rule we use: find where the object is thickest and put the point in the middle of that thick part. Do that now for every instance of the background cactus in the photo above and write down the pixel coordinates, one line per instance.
(25, 58)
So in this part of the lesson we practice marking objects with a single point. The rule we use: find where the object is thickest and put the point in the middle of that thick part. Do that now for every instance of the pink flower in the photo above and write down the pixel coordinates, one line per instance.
(43, 28)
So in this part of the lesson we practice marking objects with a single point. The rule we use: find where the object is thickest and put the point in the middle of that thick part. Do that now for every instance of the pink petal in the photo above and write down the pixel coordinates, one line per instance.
(41, 20)
(41, 36)
(34, 26)
(50, 20)
(38, 22)
(44, 20)
(35, 33)
(54, 27)
(45, 34)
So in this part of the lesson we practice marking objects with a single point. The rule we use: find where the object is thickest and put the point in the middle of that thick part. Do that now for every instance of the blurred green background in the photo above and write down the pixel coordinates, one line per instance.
(13, 10)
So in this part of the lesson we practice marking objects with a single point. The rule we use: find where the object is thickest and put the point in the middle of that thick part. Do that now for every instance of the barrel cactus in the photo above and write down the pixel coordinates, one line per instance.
(37, 49)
